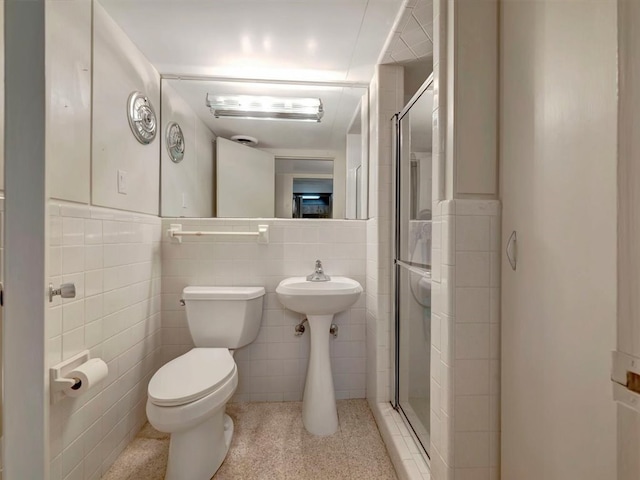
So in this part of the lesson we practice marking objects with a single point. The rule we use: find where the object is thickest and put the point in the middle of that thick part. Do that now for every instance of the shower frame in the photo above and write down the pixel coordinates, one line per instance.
(398, 264)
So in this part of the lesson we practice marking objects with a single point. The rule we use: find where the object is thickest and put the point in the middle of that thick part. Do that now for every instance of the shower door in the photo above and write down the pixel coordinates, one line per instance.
(413, 172)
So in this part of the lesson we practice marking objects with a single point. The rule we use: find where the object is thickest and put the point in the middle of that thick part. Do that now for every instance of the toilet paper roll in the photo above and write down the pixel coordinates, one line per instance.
(87, 376)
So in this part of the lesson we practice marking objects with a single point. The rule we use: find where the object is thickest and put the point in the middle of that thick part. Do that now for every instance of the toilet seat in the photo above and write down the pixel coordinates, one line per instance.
(191, 376)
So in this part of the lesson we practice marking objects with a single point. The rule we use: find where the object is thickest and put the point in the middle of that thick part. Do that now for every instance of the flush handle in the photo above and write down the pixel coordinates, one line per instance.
(66, 290)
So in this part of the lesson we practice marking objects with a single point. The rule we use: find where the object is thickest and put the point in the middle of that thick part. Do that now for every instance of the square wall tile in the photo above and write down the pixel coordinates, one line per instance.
(473, 269)
(472, 377)
(472, 413)
(472, 340)
(472, 449)
(473, 305)
(473, 233)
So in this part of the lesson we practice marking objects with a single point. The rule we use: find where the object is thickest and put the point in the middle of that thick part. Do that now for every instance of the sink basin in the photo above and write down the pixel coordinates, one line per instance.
(319, 301)
(318, 298)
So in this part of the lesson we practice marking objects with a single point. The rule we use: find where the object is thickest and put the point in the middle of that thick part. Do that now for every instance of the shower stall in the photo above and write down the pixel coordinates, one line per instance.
(412, 261)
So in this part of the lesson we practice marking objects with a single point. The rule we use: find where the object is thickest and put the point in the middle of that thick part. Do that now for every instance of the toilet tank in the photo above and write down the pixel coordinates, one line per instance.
(223, 317)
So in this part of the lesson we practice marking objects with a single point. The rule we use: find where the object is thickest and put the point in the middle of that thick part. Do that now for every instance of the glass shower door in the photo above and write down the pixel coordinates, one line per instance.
(413, 262)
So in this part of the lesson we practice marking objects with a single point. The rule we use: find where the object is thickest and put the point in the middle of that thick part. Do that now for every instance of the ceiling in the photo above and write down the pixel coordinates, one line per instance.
(298, 41)
(412, 37)
(307, 40)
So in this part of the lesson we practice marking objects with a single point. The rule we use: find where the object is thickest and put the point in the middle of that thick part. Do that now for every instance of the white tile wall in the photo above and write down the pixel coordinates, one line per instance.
(386, 99)
(404, 450)
(465, 439)
(113, 258)
(409, 42)
(273, 368)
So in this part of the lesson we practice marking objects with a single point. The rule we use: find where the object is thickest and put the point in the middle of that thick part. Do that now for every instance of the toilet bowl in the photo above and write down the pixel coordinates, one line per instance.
(188, 395)
(187, 398)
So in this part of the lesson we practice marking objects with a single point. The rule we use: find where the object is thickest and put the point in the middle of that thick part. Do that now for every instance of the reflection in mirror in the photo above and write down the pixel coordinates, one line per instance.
(417, 175)
(240, 166)
(304, 188)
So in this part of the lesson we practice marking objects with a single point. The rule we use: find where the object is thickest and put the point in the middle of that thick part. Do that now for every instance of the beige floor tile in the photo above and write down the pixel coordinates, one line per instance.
(149, 432)
(356, 419)
(270, 443)
(143, 459)
(368, 459)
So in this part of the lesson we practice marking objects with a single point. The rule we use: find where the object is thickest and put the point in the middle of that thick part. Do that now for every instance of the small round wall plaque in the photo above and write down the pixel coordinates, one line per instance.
(175, 142)
(142, 118)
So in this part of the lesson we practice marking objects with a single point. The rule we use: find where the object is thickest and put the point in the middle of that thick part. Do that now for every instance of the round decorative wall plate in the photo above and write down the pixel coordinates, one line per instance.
(175, 142)
(142, 118)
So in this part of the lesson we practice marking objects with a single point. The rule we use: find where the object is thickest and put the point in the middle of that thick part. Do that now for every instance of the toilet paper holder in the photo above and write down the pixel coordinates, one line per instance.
(58, 375)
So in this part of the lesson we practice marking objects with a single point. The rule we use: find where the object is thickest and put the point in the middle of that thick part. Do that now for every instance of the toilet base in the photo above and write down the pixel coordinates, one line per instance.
(197, 453)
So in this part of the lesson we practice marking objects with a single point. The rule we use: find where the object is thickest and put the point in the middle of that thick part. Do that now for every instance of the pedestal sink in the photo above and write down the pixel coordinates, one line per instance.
(319, 301)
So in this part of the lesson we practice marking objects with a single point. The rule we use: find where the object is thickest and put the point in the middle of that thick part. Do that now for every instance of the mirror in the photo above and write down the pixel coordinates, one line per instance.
(236, 167)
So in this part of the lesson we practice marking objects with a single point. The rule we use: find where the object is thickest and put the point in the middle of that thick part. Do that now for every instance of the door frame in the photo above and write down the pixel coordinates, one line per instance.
(25, 406)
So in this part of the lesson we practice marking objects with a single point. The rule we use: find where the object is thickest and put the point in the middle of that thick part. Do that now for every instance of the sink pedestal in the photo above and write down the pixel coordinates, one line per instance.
(319, 301)
(319, 413)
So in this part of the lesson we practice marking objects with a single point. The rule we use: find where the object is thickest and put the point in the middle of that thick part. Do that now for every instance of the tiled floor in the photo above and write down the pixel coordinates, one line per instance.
(270, 442)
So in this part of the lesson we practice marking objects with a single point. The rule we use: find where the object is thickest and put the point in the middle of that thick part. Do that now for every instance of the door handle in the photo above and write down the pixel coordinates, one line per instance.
(512, 250)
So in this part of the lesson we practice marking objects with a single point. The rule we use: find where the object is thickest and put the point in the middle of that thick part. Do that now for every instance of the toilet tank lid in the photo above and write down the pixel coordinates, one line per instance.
(222, 293)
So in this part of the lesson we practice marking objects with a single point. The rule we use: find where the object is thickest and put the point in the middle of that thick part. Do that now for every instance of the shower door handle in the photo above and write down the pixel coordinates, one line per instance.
(512, 250)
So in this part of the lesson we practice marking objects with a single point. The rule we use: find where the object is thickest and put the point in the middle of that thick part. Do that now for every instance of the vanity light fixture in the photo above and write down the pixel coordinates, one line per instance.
(265, 108)
(311, 197)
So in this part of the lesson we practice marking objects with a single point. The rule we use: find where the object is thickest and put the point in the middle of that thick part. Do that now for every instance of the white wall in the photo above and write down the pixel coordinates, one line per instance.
(354, 159)
(187, 187)
(558, 186)
(339, 184)
(284, 195)
(119, 69)
(2, 95)
(245, 181)
(68, 64)
(205, 171)
(472, 95)
(628, 223)
(385, 99)
(273, 368)
(113, 258)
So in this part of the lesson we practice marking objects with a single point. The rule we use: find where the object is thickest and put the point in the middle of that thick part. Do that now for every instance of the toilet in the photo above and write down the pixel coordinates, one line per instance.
(187, 396)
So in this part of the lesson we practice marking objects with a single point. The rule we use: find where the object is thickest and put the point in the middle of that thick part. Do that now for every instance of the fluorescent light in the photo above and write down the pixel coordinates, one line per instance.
(259, 107)
(311, 197)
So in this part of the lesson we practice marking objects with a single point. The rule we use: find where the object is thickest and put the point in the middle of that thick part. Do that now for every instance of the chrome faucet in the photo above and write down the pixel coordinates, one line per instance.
(318, 275)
